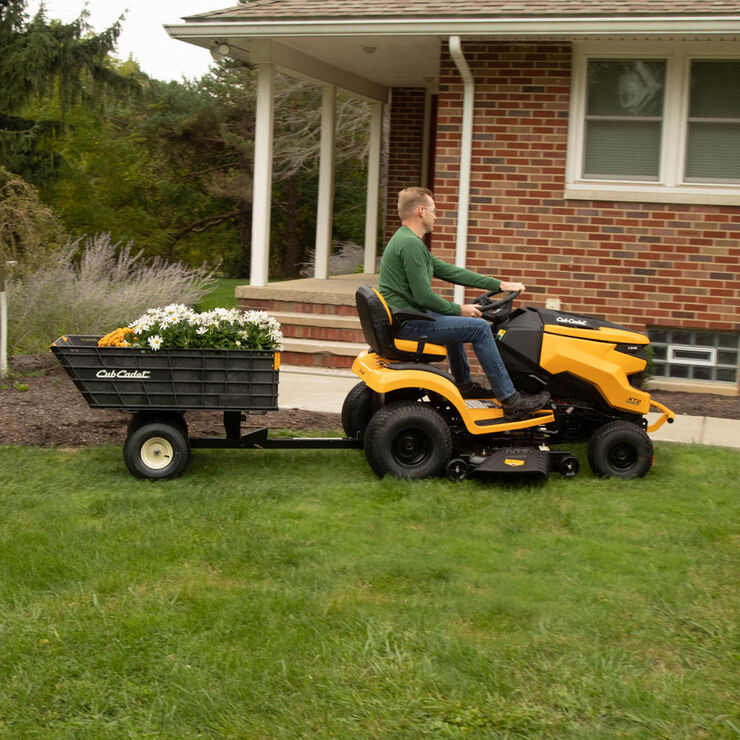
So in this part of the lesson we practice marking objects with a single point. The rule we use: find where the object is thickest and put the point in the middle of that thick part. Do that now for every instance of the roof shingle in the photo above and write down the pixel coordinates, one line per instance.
(334, 9)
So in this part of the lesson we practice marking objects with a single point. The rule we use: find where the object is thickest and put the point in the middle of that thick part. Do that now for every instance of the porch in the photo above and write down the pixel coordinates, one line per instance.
(317, 315)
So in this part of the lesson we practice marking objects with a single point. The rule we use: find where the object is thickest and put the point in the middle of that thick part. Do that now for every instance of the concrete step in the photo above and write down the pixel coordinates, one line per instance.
(274, 305)
(320, 353)
(323, 327)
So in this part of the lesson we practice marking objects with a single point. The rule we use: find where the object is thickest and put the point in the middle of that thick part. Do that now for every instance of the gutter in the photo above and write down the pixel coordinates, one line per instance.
(691, 26)
(466, 153)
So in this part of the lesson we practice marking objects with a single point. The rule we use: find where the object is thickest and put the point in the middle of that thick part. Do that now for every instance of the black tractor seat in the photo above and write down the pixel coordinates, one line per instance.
(380, 324)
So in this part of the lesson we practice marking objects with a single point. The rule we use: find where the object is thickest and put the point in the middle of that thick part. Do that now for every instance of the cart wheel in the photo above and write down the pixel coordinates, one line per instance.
(140, 418)
(620, 449)
(569, 466)
(457, 470)
(408, 440)
(357, 410)
(158, 451)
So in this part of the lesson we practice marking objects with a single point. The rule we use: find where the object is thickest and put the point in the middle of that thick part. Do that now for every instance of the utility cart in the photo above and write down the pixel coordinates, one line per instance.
(158, 388)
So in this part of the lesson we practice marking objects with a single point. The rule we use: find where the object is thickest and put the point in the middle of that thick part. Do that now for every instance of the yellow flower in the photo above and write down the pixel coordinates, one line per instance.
(116, 338)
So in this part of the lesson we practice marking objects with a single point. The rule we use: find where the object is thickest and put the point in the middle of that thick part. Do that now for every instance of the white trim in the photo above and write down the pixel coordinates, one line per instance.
(693, 27)
(671, 359)
(671, 187)
(325, 207)
(466, 155)
(262, 179)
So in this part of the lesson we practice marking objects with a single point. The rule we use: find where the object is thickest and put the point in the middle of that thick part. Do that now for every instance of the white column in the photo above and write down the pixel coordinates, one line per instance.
(262, 180)
(373, 188)
(325, 209)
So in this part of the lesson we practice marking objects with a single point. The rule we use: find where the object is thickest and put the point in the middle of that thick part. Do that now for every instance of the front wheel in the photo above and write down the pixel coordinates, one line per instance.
(620, 449)
(408, 440)
(157, 451)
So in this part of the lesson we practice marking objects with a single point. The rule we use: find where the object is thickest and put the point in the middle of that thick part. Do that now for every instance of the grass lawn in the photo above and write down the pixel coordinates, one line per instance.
(287, 594)
(223, 295)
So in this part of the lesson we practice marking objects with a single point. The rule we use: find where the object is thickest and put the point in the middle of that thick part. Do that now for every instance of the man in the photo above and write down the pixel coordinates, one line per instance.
(406, 272)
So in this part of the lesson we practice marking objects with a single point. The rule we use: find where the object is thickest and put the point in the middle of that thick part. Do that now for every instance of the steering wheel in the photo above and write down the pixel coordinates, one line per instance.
(495, 311)
(486, 305)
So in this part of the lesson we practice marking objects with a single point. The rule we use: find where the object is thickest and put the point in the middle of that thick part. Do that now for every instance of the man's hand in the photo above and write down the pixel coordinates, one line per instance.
(512, 287)
(468, 309)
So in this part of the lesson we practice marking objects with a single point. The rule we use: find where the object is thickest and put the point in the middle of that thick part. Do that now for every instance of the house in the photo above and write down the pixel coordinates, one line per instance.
(590, 147)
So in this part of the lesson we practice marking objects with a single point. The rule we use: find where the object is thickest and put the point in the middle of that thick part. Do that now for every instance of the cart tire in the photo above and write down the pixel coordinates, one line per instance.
(620, 449)
(408, 440)
(357, 410)
(140, 418)
(158, 451)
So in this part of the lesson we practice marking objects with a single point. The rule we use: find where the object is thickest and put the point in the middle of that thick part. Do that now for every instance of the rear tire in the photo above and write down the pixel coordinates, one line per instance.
(157, 451)
(620, 449)
(408, 440)
(357, 410)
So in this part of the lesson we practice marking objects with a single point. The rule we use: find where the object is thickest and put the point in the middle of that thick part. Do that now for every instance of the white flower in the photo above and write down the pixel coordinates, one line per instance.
(155, 342)
(201, 330)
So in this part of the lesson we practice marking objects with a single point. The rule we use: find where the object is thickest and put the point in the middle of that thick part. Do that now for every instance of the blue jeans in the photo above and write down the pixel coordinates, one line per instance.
(453, 332)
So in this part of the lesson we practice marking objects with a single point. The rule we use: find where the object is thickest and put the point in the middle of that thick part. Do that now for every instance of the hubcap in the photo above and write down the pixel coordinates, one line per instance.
(622, 456)
(156, 453)
(411, 448)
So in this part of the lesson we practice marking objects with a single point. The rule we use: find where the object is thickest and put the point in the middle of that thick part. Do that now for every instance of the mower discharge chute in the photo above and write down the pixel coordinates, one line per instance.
(415, 423)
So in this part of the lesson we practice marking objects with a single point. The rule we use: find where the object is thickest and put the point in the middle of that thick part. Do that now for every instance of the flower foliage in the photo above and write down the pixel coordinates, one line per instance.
(177, 325)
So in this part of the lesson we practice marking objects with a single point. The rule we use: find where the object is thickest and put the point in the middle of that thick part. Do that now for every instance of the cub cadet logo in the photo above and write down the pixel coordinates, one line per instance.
(124, 374)
(574, 322)
(513, 463)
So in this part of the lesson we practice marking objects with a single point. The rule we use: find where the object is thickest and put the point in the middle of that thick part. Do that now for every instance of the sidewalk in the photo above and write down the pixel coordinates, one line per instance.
(319, 389)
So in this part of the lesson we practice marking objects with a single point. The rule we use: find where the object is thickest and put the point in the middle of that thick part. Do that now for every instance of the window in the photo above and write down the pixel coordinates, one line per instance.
(695, 355)
(661, 126)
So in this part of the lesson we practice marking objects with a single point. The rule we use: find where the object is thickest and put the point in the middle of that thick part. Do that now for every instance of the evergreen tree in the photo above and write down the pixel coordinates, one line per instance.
(43, 58)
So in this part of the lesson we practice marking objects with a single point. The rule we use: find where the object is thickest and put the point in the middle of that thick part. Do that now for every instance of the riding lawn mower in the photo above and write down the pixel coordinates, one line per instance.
(414, 422)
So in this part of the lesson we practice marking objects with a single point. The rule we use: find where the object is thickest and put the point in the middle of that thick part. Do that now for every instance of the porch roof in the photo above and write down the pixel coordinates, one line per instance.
(369, 46)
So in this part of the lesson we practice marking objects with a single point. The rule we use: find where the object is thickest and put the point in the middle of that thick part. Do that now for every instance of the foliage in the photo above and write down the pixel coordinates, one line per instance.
(92, 284)
(44, 59)
(221, 328)
(28, 228)
(346, 258)
(168, 164)
(291, 594)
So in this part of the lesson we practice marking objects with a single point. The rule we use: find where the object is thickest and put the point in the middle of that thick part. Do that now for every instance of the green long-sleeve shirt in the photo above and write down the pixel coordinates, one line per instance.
(406, 273)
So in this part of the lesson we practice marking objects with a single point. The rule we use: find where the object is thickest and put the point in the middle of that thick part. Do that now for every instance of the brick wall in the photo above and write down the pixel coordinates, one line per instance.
(405, 149)
(638, 264)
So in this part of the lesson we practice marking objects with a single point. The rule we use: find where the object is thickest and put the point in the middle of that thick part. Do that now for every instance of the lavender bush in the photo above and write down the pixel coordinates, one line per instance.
(107, 285)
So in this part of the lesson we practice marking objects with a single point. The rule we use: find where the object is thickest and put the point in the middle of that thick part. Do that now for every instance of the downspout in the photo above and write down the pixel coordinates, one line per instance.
(466, 153)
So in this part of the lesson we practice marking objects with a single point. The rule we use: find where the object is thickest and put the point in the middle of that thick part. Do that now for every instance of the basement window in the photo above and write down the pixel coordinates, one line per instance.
(695, 355)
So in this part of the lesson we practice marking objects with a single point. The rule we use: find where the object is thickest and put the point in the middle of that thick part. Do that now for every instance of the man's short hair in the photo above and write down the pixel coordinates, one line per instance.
(409, 199)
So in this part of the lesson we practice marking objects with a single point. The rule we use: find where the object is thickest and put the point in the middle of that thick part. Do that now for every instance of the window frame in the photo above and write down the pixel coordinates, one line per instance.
(670, 186)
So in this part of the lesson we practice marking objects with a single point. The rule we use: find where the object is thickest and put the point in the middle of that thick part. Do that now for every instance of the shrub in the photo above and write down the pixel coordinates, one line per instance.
(90, 285)
(346, 258)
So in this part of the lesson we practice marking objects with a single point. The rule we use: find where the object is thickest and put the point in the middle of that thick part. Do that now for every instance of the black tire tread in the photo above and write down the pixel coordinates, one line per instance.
(389, 421)
(612, 431)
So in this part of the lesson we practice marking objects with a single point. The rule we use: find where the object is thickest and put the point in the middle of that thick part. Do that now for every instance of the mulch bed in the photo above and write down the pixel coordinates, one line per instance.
(52, 413)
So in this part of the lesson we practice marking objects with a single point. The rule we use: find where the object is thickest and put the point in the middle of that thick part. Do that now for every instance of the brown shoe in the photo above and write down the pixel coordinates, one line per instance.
(520, 405)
